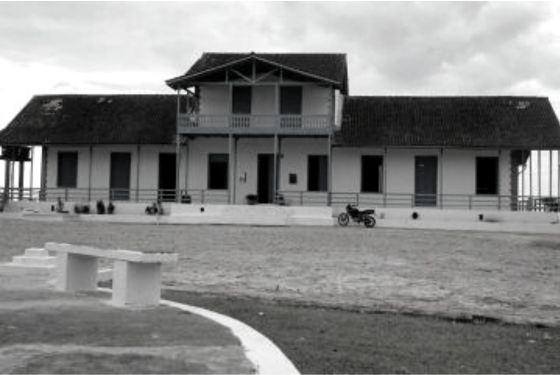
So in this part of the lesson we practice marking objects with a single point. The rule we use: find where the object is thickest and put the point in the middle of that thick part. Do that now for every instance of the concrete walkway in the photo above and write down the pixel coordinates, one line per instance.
(44, 331)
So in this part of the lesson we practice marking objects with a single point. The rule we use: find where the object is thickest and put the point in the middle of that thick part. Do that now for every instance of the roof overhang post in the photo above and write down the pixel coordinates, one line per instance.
(550, 173)
(32, 156)
(178, 151)
(90, 171)
(137, 172)
(531, 206)
(440, 189)
(44, 164)
(21, 180)
(539, 177)
(5, 195)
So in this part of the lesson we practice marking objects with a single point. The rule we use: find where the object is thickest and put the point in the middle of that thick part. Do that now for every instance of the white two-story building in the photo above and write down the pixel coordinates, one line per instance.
(282, 128)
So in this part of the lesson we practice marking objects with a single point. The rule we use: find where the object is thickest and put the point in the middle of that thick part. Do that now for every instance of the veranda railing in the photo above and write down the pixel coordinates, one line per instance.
(294, 198)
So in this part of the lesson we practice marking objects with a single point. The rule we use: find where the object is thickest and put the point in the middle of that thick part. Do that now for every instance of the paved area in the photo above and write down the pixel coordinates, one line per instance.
(44, 331)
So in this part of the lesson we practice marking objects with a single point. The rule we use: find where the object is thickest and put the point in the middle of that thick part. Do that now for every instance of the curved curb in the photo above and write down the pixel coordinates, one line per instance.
(261, 351)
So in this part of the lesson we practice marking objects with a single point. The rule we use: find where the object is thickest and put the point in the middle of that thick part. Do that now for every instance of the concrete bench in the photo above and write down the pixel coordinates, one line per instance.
(136, 274)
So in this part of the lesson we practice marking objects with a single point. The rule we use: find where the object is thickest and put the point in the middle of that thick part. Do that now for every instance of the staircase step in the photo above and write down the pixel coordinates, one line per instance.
(24, 260)
(36, 252)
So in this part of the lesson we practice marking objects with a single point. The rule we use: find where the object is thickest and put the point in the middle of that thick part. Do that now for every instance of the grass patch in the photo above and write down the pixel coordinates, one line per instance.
(324, 340)
(88, 363)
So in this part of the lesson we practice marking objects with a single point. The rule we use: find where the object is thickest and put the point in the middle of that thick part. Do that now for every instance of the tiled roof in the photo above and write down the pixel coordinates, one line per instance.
(94, 119)
(508, 122)
(331, 66)
(492, 122)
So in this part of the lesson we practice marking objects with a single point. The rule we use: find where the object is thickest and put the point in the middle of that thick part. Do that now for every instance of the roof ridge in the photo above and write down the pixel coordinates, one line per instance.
(273, 53)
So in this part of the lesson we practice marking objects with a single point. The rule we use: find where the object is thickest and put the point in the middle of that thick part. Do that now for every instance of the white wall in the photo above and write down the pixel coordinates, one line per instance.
(214, 100)
(101, 160)
(456, 170)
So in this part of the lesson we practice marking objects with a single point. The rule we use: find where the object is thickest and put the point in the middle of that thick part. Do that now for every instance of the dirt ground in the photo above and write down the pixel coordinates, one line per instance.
(514, 277)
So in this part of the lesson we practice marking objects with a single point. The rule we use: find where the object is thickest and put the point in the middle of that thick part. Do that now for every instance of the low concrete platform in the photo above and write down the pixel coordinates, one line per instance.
(128, 212)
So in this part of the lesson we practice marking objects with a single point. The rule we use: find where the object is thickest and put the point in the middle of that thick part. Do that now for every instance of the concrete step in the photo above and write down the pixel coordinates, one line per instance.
(36, 252)
(24, 260)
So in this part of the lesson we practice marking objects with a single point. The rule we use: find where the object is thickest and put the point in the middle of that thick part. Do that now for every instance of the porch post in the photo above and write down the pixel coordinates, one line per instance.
(234, 170)
(522, 181)
(20, 178)
(177, 168)
(275, 169)
(90, 171)
(44, 164)
(31, 173)
(177, 152)
(12, 178)
(531, 180)
(6, 193)
(539, 177)
(230, 168)
(550, 173)
(329, 172)
(384, 176)
(137, 172)
(440, 188)
(186, 166)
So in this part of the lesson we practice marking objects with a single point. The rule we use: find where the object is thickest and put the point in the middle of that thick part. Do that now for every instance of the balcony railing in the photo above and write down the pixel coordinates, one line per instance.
(254, 124)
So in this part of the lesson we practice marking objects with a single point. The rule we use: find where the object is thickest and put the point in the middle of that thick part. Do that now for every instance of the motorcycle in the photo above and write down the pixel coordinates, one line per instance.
(352, 212)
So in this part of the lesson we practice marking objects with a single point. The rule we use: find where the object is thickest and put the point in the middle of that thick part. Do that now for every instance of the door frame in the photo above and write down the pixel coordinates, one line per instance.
(425, 202)
(270, 166)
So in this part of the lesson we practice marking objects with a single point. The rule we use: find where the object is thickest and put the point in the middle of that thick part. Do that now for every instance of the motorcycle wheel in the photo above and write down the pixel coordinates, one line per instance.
(369, 221)
(343, 219)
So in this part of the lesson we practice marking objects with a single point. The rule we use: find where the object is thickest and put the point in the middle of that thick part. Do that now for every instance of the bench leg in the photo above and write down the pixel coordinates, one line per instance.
(136, 284)
(75, 272)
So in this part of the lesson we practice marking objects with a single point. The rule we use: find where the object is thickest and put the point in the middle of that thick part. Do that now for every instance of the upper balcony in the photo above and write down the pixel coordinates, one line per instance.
(261, 94)
(254, 124)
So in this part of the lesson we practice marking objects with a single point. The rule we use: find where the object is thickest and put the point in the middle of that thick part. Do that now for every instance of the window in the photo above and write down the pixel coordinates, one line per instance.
(317, 173)
(372, 174)
(290, 100)
(218, 171)
(486, 175)
(67, 175)
(241, 100)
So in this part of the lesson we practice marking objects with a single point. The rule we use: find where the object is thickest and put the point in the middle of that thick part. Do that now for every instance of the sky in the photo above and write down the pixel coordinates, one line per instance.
(393, 48)
(419, 48)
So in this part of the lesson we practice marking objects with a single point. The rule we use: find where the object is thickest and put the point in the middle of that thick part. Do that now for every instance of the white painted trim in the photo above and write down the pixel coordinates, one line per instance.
(267, 357)
(261, 351)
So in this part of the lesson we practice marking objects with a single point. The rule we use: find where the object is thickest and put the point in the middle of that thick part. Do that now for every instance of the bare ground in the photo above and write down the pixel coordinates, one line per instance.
(514, 277)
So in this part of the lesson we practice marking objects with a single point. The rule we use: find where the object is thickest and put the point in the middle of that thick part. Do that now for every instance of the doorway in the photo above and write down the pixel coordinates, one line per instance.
(265, 178)
(120, 176)
(167, 177)
(425, 181)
